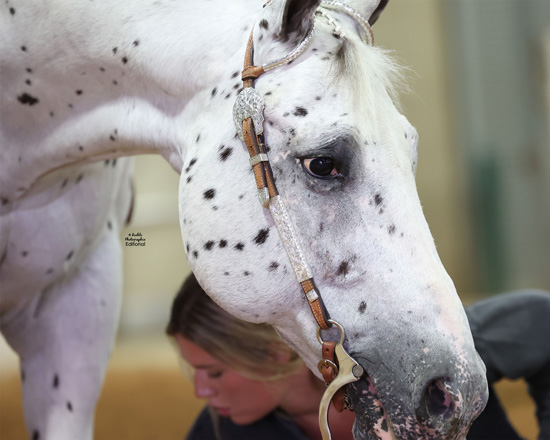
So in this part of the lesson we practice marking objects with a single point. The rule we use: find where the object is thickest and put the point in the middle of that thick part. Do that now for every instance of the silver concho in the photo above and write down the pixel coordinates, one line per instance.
(249, 104)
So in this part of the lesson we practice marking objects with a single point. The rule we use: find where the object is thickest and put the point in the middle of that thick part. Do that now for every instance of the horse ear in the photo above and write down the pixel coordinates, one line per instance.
(377, 11)
(370, 9)
(290, 18)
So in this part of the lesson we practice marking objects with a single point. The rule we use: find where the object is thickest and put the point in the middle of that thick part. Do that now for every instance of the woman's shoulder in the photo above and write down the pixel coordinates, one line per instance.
(271, 427)
(203, 428)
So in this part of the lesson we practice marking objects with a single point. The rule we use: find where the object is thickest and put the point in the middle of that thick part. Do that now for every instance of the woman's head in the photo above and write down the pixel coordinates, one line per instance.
(255, 350)
(239, 367)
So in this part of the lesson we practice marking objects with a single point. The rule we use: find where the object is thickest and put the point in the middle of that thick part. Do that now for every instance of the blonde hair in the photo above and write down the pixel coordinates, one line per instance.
(254, 350)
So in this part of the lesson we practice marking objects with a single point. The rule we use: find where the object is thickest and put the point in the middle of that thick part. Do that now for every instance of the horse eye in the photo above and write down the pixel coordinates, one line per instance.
(322, 167)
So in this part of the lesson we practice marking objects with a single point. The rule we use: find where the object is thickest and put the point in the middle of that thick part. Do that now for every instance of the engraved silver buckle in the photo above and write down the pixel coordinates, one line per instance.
(249, 104)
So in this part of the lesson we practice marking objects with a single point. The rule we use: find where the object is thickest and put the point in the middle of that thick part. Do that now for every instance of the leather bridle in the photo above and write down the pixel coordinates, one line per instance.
(337, 367)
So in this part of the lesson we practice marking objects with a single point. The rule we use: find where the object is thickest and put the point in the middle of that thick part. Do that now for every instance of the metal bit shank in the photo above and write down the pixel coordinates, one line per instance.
(349, 371)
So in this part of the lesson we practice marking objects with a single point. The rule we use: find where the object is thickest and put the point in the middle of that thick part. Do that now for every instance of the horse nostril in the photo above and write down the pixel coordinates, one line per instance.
(438, 402)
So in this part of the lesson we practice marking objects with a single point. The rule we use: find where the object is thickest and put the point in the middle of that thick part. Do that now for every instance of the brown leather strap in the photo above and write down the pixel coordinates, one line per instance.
(252, 72)
(263, 174)
(329, 370)
(316, 303)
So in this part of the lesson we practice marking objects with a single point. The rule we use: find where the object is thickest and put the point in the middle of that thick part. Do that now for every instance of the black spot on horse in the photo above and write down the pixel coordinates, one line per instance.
(24, 48)
(114, 162)
(70, 406)
(107, 162)
(198, 138)
(195, 254)
(317, 98)
(226, 274)
(79, 178)
(267, 93)
(362, 307)
(80, 147)
(136, 43)
(234, 75)
(378, 199)
(264, 24)
(191, 163)
(102, 69)
(273, 266)
(115, 49)
(24, 253)
(343, 269)
(239, 246)
(225, 153)
(246, 273)
(49, 271)
(5, 201)
(12, 11)
(36, 435)
(28, 82)
(78, 92)
(209, 194)
(56, 381)
(27, 99)
(124, 60)
(223, 243)
(214, 91)
(115, 82)
(209, 245)
(261, 237)
(109, 225)
(300, 111)
(391, 229)
(228, 96)
(69, 255)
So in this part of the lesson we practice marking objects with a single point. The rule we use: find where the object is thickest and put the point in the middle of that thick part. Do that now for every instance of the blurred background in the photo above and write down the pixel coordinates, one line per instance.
(480, 100)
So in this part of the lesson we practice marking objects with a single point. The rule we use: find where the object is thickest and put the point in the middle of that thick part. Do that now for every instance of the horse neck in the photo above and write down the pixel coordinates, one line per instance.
(115, 81)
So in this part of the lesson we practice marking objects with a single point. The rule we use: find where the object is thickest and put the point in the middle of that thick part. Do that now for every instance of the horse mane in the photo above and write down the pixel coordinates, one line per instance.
(361, 65)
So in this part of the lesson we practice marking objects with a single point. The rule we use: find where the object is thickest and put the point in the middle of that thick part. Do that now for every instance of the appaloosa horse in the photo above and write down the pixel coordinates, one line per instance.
(85, 83)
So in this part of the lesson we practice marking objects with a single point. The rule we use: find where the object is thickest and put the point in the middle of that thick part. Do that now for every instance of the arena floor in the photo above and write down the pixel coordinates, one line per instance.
(146, 397)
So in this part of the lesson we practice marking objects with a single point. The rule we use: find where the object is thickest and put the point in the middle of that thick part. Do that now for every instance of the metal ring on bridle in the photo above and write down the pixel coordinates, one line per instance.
(334, 323)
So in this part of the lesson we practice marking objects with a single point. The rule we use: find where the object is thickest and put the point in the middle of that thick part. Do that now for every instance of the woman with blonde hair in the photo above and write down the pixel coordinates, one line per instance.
(258, 388)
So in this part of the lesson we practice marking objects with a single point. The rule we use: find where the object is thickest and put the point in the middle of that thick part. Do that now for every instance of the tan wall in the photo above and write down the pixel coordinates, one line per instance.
(415, 30)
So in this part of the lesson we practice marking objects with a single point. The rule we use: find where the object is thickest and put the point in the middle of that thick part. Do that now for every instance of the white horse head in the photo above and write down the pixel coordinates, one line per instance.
(84, 83)
(344, 159)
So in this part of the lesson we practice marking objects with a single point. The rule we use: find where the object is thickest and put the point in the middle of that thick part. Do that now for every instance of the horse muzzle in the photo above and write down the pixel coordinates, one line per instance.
(425, 407)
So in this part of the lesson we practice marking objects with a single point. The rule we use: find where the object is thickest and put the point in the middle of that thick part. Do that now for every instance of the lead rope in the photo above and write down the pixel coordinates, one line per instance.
(337, 367)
